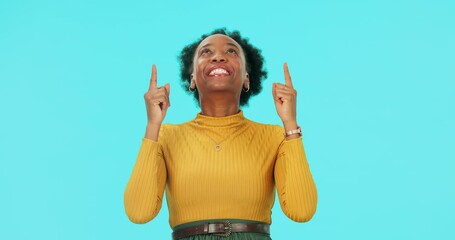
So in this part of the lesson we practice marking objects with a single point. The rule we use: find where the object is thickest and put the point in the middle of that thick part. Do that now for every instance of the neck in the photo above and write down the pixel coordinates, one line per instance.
(219, 106)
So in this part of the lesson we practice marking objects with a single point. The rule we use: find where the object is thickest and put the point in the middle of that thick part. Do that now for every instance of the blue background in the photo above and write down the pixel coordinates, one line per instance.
(376, 94)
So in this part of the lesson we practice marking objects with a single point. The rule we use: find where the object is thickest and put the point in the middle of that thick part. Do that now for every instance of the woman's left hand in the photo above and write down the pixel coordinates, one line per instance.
(285, 97)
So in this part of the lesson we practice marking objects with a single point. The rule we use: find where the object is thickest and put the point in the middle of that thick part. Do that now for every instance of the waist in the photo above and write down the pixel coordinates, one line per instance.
(223, 227)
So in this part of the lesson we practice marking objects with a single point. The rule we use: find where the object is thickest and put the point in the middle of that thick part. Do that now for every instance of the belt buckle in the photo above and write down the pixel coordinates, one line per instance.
(227, 229)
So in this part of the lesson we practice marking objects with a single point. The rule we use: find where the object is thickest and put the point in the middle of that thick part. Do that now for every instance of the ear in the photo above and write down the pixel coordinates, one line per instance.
(246, 83)
(192, 80)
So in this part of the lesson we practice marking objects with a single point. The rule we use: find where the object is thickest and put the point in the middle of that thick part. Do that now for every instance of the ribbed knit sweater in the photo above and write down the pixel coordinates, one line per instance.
(238, 181)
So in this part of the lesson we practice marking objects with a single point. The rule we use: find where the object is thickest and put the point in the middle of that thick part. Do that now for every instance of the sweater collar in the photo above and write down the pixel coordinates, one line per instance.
(228, 121)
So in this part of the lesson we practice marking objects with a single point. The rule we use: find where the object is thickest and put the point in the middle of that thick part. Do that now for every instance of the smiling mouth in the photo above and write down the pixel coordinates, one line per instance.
(218, 72)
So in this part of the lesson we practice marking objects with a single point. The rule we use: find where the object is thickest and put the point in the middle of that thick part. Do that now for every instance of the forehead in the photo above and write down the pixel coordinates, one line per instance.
(218, 39)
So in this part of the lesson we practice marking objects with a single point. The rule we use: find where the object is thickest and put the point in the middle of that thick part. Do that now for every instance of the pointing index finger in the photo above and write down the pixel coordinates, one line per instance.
(287, 76)
(153, 78)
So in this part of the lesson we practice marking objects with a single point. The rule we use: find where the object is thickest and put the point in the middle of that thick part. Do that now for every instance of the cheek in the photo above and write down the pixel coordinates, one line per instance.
(242, 67)
(199, 73)
(199, 66)
(240, 62)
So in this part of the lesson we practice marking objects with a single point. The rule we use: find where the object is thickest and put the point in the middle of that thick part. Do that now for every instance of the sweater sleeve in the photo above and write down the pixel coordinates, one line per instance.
(296, 189)
(144, 191)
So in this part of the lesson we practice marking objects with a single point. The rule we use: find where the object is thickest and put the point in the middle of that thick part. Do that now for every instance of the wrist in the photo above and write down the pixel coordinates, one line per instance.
(290, 125)
(153, 124)
(152, 131)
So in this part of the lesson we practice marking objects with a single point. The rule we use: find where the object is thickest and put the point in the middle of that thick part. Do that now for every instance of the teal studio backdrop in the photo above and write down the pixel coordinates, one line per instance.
(375, 82)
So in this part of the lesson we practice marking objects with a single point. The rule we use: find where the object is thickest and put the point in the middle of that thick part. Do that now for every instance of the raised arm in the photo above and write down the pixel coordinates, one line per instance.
(293, 179)
(144, 191)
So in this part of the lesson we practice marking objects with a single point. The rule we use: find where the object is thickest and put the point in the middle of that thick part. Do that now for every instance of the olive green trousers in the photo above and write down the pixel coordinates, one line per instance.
(233, 236)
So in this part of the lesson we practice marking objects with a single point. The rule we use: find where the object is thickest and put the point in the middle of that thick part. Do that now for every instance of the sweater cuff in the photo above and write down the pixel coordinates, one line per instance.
(293, 141)
(148, 141)
(294, 146)
(149, 148)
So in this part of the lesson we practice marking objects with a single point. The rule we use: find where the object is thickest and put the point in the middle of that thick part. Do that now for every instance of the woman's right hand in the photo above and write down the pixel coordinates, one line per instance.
(156, 100)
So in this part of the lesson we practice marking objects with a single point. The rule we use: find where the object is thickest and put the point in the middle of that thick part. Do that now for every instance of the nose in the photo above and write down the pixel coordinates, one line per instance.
(218, 57)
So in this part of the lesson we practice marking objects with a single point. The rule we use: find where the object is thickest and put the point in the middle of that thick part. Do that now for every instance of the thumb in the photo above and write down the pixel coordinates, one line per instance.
(168, 89)
(274, 92)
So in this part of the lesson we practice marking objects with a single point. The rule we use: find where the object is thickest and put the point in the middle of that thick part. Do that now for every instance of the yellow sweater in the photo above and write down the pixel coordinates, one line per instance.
(238, 181)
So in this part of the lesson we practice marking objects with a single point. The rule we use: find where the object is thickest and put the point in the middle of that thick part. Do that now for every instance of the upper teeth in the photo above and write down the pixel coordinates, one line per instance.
(218, 71)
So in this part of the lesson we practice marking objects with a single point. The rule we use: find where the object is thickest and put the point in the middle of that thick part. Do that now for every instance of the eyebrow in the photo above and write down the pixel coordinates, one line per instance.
(230, 44)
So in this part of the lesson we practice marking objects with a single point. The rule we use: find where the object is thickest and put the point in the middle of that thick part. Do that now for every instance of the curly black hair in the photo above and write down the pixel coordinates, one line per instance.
(253, 57)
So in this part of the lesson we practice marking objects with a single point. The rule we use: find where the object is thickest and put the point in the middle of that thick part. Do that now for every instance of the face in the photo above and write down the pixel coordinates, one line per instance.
(219, 66)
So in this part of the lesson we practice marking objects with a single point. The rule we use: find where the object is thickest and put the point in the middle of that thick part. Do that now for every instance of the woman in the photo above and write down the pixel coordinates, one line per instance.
(220, 169)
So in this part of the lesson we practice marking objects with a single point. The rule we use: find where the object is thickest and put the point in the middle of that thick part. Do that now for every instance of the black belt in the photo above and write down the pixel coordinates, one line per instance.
(221, 229)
